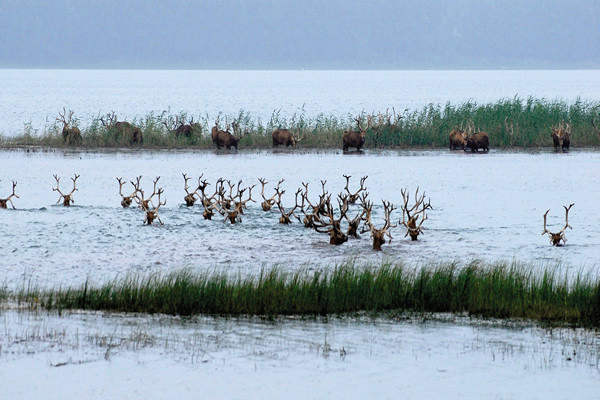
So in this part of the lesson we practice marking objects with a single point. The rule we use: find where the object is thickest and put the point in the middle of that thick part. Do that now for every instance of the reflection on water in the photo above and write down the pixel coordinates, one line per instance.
(484, 206)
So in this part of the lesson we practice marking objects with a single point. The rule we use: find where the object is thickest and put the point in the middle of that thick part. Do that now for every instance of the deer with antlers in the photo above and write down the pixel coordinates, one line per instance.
(410, 215)
(227, 139)
(122, 130)
(127, 200)
(354, 223)
(352, 197)
(457, 139)
(180, 128)
(268, 203)
(556, 238)
(145, 203)
(67, 199)
(379, 235)
(285, 137)
(4, 202)
(561, 136)
(331, 225)
(190, 197)
(286, 216)
(152, 213)
(71, 134)
(355, 138)
(476, 141)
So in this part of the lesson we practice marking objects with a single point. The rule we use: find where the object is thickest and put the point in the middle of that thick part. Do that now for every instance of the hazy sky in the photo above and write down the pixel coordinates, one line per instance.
(312, 34)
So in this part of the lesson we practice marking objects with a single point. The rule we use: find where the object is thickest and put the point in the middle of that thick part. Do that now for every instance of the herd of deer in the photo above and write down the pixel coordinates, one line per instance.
(458, 137)
(354, 209)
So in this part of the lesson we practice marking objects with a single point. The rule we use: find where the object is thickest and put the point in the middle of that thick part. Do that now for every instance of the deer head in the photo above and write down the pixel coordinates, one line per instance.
(67, 199)
(127, 200)
(152, 213)
(4, 202)
(352, 197)
(378, 235)
(556, 238)
(412, 223)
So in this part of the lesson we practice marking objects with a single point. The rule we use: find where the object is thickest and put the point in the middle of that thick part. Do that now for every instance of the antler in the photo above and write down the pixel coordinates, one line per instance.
(412, 228)
(3, 202)
(556, 238)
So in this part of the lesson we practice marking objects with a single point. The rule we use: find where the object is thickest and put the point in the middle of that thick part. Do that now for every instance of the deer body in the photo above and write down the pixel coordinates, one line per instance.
(284, 137)
(561, 136)
(480, 140)
(457, 139)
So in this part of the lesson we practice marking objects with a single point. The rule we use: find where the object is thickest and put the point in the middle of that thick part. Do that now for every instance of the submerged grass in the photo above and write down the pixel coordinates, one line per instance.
(510, 123)
(498, 290)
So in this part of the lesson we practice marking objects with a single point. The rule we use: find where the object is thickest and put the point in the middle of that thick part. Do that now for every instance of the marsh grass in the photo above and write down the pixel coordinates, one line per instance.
(510, 123)
(498, 290)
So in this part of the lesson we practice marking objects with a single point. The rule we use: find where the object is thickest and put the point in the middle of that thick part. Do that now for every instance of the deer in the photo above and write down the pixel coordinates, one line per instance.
(476, 141)
(355, 138)
(227, 139)
(179, 128)
(240, 204)
(354, 223)
(379, 235)
(556, 238)
(190, 198)
(410, 221)
(122, 129)
(70, 134)
(286, 216)
(152, 213)
(352, 197)
(268, 203)
(67, 199)
(127, 200)
(457, 139)
(4, 202)
(145, 203)
(330, 225)
(561, 136)
(285, 137)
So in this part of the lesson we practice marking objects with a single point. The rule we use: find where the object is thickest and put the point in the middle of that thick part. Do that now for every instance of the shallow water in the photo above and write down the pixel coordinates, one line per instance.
(485, 206)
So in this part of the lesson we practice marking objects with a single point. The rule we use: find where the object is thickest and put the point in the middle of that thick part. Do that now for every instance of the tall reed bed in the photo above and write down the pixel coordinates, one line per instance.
(510, 123)
(499, 290)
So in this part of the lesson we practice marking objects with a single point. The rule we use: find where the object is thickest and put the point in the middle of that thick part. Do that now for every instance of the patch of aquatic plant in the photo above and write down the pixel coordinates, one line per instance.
(498, 290)
(510, 123)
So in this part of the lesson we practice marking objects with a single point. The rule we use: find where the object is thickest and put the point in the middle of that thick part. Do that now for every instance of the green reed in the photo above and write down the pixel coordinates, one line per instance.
(510, 123)
(498, 290)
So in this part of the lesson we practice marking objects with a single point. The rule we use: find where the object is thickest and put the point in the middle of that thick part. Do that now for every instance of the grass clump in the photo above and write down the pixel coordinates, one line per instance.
(498, 290)
(510, 123)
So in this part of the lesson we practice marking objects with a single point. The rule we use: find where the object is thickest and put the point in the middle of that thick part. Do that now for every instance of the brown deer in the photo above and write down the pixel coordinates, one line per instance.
(268, 203)
(354, 223)
(352, 197)
(179, 128)
(145, 203)
(122, 129)
(379, 235)
(355, 138)
(457, 139)
(331, 225)
(556, 238)
(71, 134)
(284, 137)
(286, 216)
(561, 136)
(67, 199)
(227, 139)
(412, 214)
(152, 213)
(4, 202)
(190, 197)
(476, 141)
(127, 200)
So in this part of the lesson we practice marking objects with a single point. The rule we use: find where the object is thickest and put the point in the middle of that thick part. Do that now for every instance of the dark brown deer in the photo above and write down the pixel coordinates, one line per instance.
(67, 199)
(122, 129)
(179, 128)
(152, 213)
(127, 200)
(352, 197)
(355, 138)
(191, 197)
(284, 137)
(71, 134)
(412, 213)
(227, 139)
(556, 238)
(331, 225)
(379, 235)
(457, 139)
(4, 202)
(145, 203)
(561, 136)
(354, 223)
(476, 141)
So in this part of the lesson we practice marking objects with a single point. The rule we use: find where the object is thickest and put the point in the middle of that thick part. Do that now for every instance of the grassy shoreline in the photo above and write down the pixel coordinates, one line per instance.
(510, 123)
(491, 290)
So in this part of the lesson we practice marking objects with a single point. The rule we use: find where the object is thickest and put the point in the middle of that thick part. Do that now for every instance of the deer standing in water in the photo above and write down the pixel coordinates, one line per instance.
(4, 202)
(379, 235)
(355, 138)
(556, 238)
(67, 199)
(412, 213)
(268, 203)
(331, 225)
(352, 197)
(152, 213)
(286, 216)
(127, 200)
(190, 197)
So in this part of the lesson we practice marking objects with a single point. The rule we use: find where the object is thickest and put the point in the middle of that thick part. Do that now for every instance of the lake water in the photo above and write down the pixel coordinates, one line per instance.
(36, 96)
